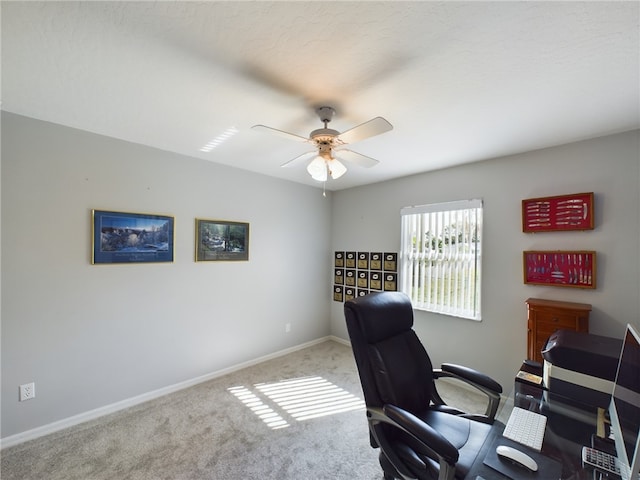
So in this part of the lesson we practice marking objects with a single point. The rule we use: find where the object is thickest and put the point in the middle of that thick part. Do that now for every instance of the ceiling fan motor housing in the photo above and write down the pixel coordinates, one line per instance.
(325, 139)
(324, 135)
(325, 114)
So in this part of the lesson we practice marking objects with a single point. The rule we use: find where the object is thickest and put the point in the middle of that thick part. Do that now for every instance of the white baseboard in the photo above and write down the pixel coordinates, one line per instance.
(32, 434)
(339, 340)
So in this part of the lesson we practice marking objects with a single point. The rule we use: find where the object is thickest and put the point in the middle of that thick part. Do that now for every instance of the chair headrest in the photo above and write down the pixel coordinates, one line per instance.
(382, 315)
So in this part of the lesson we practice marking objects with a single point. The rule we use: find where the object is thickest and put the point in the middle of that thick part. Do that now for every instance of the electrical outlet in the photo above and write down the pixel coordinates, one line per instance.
(287, 328)
(27, 391)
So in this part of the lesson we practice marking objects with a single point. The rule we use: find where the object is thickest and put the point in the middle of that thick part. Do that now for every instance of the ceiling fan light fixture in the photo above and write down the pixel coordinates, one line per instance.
(318, 169)
(336, 168)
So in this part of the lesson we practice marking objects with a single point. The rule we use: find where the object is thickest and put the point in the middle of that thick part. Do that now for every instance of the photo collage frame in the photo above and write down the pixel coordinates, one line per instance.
(357, 274)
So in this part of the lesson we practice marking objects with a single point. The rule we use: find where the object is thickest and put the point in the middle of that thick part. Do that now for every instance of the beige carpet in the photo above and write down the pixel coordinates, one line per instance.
(296, 417)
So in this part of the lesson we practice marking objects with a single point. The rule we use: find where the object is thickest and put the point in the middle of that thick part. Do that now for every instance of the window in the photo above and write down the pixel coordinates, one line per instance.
(440, 257)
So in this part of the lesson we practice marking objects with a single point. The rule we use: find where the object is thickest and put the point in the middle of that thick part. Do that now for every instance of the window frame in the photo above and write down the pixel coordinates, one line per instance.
(412, 260)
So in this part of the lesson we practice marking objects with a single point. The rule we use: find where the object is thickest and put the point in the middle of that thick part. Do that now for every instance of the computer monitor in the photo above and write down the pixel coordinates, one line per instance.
(624, 409)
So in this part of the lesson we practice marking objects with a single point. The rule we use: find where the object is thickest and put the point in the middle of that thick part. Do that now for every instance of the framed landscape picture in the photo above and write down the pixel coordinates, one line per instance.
(220, 240)
(121, 237)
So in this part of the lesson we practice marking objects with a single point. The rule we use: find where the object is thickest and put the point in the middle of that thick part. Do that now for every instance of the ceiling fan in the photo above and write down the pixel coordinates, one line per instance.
(329, 145)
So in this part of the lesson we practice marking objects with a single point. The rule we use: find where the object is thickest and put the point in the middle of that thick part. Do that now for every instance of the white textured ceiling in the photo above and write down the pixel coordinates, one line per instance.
(460, 81)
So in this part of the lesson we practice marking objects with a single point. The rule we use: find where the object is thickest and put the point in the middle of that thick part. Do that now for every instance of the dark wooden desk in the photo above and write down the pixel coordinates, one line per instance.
(569, 427)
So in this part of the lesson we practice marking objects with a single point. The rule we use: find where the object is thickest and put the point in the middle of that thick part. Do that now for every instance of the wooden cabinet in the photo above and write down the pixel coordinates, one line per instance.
(546, 316)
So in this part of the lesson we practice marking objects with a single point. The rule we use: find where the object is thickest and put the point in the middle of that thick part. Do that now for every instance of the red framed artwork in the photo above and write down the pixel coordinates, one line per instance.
(560, 268)
(560, 213)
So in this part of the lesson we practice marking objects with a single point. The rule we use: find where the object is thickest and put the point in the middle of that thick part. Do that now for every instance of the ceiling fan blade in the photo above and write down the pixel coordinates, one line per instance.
(281, 133)
(368, 129)
(355, 157)
(304, 156)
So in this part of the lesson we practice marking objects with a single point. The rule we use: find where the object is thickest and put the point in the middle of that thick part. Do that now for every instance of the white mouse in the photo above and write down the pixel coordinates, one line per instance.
(517, 457)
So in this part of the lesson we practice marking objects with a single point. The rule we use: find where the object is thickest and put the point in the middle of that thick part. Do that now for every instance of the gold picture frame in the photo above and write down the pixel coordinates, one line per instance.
(221, 240)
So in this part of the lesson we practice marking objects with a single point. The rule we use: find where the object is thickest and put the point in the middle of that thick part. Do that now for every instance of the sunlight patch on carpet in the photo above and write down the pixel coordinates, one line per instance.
(266, 413)
(300, 398)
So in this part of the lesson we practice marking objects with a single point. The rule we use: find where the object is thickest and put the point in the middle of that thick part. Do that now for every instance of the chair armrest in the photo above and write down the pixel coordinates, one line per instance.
(478, 380)
(422, 432)
(473, 376)
(438, 452)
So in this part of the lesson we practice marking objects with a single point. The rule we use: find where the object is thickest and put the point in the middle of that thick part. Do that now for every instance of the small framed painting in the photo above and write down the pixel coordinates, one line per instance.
(390, 282)
(375, 282)
(363, 260)
(121, 237)
(220, 240)
(351, 259)
(376, 261)
(337, 293)
(390, 262)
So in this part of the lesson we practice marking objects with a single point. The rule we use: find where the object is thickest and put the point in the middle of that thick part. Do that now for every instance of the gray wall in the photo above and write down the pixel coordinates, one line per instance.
(92, 335)
(368, 219)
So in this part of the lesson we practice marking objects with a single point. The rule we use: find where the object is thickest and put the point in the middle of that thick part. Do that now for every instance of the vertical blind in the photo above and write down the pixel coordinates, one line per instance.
(440, 257)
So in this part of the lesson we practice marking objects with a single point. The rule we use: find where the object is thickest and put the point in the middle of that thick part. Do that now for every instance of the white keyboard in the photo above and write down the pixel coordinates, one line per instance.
(526, 427)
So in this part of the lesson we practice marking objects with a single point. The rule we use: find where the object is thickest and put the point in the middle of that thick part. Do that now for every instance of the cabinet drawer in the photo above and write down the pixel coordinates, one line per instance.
(542, 333)
(556, 320)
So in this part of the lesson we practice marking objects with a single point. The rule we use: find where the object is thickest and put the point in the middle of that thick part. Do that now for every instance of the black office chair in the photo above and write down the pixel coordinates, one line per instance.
(419, 436)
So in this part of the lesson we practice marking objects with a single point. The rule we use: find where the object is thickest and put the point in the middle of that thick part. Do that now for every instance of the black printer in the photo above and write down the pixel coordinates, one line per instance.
(581, 367)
